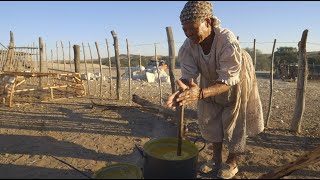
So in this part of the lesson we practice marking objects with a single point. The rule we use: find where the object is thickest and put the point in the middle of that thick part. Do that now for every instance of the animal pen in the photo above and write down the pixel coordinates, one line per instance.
(25, 70)
(31, 73)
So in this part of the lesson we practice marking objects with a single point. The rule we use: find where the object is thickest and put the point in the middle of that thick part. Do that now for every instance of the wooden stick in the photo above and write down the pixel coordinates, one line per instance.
(309, 158)
(140, 62)
(129, 70)
(64, 60)
(254, 54)
(51, 58)
(1, 60)
(271, 85)
(110, 74)
(172, 60)
(70, 62)
(180, 130)
(37, 59)
(100, 65)
(41, 61)
(118, 65)
(162, 110)
(46, 52)
(57, 55)
(116, 107)
(301, 85)
(85, 64)
(157, 66)
(95, 81)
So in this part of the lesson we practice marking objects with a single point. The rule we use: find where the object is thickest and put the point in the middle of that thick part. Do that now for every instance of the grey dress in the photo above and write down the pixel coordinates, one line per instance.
(235, 114)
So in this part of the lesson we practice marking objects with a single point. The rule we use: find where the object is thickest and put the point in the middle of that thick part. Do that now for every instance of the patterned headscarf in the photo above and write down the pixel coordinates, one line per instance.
(195, 11)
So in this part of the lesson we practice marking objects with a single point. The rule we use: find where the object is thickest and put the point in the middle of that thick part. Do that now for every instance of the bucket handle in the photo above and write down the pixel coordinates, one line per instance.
(140, 151)
(204, 141)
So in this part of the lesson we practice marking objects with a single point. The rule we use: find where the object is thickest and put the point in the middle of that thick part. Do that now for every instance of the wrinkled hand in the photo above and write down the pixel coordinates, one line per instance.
(189, 95)
(186, 94)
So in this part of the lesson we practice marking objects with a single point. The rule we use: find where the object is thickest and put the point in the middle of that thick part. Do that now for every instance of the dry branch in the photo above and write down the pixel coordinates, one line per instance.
(162, 110)
(117, 107)
(308, 159)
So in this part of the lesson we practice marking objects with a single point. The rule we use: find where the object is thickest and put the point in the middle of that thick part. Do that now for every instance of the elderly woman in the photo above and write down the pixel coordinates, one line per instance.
(229, 106)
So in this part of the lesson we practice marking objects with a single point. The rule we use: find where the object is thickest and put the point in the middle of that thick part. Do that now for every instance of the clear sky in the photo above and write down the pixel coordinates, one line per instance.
(143, 23)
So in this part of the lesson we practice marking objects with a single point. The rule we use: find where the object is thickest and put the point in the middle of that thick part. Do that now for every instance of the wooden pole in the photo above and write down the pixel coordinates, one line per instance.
(129, 70)
(172, 56)
(85, 64)
(51, 60)
(271, 85)
(254, 54)
(307, 159)
(116, 50)
(301, 85)
(110, 74)
(10, 54)
(41, 64)
(157, 65)
(1, 60)
(95, 81)
(64, 60)
(100, 65)
(140, 62)
(37, 58)
(4, 57)
(57, 55)
(76, 50)
(180, 130)
(46, 53)
(70, 57)
(24, 59)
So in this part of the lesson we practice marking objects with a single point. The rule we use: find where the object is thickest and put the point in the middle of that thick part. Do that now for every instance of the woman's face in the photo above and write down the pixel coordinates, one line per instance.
(197, 31)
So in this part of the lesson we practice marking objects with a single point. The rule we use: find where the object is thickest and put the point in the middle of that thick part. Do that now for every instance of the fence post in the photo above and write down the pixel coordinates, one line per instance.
(140, 62)
(172, 60)
(58, 55)
(100, 65)
(64, 60)
(70, 56)
(41, 64)
(85, 64)
(271, 84)
(116, 52)
(76, 50)
(157, 66)
(10, 54)
(129, 70)
(255, 54)
(110, 74)
(301, 85)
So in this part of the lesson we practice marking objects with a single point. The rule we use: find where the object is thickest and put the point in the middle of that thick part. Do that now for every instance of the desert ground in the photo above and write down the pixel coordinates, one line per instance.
(90, 137)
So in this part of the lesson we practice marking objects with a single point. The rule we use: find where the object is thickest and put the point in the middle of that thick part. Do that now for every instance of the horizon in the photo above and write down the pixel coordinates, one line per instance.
(143, 26)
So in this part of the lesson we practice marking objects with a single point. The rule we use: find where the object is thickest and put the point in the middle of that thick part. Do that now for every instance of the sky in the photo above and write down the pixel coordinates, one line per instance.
(143, 23)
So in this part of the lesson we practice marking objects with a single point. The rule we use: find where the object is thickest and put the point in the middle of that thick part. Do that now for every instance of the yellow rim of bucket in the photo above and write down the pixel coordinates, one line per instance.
(108, 169)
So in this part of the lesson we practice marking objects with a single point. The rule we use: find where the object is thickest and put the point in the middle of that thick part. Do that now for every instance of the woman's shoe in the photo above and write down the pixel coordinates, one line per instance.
(226, 172)
(209, 167)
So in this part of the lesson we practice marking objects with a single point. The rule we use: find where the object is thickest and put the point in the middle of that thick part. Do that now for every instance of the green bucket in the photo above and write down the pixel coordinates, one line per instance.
(119, 171)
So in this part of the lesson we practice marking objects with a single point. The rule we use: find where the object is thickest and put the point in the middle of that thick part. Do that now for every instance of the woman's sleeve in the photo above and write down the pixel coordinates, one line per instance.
(230, 62)
(189, 69)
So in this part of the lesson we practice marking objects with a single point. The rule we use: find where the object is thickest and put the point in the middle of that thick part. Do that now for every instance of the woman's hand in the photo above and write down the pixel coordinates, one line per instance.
(172, 100)
(186, 94)
(190, 94)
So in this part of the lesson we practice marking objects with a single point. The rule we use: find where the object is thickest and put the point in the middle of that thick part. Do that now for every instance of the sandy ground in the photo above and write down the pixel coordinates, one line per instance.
(91, 137)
